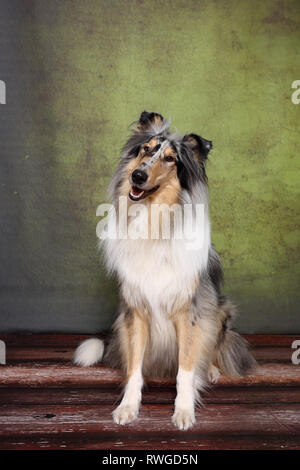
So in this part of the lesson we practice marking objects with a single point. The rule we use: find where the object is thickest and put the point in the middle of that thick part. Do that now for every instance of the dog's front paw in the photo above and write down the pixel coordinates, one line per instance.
(213, 374)
(124, 414)
(183, 418)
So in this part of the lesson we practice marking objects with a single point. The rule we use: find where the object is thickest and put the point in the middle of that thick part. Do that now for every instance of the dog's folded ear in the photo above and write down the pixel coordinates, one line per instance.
(148, 120)
(200, 146)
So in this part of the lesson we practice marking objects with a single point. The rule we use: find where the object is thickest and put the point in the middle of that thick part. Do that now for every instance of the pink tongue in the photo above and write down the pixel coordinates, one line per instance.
(135, 191)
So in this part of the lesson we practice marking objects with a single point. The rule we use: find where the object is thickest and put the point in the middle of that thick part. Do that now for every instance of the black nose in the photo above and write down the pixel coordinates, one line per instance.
(139, 176)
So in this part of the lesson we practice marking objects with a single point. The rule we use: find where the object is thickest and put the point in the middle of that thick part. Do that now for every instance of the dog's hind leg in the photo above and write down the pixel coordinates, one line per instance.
(196, 343)
(213, 374)
(133, 338)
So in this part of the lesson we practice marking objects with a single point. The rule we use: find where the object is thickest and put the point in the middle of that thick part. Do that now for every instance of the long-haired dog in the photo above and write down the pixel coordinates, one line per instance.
(173, 320)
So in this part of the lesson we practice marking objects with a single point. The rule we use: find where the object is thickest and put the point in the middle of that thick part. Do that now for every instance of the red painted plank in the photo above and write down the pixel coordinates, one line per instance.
(63, 375)
(64, 406)
(272, 354)
(48, 354)
(164, 395)
(44, 339)
(284, 341)
(55, 354)
(58, 375)
(21, 422)
(204, 442)
(72, 340)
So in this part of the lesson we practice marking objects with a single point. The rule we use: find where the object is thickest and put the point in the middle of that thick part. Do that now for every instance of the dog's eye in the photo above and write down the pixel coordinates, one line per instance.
(169, 158)
(146, 148)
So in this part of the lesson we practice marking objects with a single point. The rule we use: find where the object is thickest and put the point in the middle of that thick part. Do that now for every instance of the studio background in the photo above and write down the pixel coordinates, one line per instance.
(77, 73)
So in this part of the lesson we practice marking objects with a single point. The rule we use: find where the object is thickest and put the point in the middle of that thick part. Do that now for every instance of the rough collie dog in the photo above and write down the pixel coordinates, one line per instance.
(173, 320)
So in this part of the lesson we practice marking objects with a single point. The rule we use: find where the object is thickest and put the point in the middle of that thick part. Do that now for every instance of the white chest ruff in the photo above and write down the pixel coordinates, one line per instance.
(162, 272)
(159, 271)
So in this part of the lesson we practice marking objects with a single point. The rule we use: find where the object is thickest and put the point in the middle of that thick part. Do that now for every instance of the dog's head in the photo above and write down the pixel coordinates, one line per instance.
(157, 163)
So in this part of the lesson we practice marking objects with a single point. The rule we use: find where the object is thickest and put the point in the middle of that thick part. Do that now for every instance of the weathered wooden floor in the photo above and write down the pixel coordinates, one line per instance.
(47, 403)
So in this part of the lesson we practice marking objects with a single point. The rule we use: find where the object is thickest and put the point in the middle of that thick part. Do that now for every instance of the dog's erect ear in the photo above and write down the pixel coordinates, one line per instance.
(200, 146)
(148, 120)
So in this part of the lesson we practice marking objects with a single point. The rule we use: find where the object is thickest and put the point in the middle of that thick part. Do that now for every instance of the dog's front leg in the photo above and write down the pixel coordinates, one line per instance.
(133, 337)
(196, 342)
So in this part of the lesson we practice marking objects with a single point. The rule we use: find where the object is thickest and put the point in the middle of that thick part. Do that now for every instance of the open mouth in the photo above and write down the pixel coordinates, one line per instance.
(136, 193)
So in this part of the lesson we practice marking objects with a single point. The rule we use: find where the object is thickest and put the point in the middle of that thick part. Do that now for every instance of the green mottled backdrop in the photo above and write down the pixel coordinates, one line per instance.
(77, 73)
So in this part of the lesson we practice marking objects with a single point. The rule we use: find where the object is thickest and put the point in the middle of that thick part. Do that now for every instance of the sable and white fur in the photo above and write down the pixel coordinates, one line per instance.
(173, 320)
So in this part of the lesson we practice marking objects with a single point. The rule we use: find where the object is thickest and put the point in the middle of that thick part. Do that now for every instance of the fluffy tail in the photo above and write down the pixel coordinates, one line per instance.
(89, 352)
(233, 356)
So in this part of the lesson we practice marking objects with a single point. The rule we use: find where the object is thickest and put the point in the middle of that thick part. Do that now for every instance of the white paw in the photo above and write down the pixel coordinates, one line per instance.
(124, 414)
(183, 419)
(213, 374)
